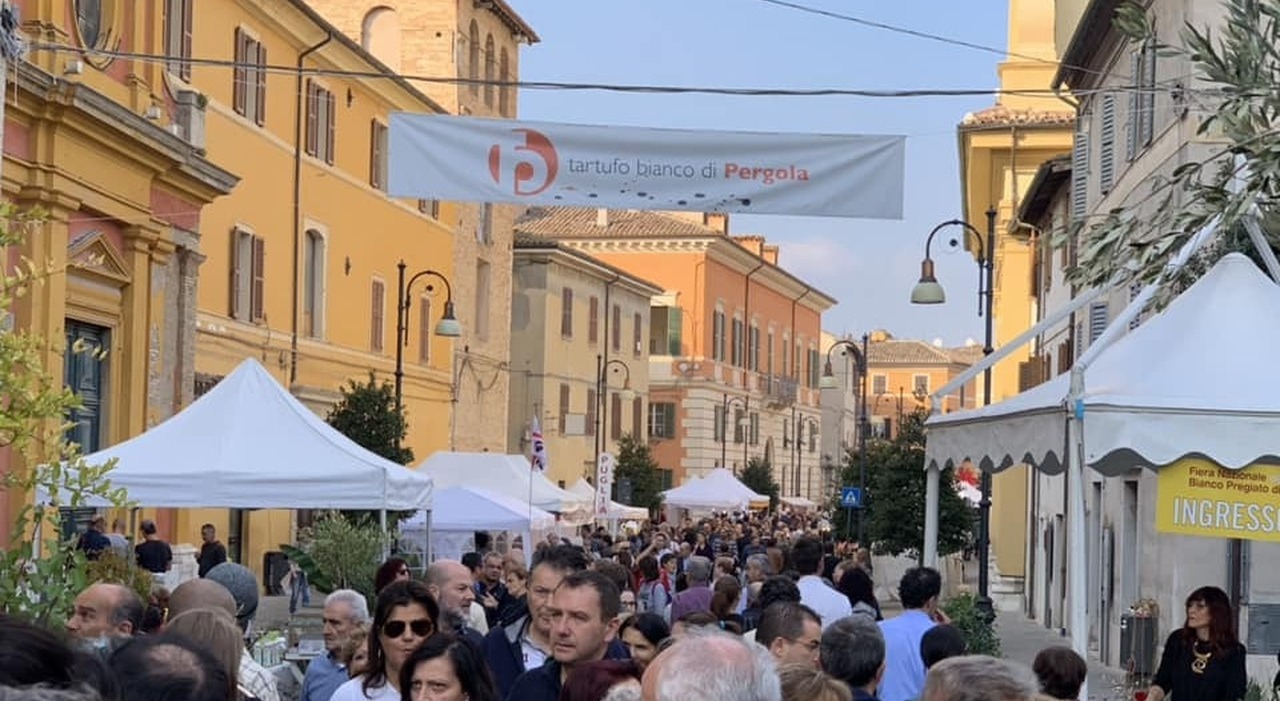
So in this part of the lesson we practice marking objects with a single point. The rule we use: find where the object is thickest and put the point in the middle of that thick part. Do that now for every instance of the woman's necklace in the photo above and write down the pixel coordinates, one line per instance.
(1201, 659)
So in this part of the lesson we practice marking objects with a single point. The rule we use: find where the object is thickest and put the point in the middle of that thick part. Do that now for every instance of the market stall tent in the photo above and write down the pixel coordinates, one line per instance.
(249, 444)
(617, 512)
(508, 475)
(459, 511)
(1184, 384)
(718, 490)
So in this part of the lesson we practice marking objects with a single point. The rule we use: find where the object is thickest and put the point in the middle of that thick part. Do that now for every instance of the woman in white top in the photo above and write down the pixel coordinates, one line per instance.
(405, 616)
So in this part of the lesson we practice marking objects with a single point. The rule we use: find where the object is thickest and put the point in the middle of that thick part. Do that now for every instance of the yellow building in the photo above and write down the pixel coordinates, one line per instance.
(574, 320)
(124, 198)
(902, 373)
(1000, 150)
(301, 268)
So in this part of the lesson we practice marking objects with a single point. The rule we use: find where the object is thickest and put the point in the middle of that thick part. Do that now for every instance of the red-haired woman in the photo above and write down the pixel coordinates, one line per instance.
(1202, 661)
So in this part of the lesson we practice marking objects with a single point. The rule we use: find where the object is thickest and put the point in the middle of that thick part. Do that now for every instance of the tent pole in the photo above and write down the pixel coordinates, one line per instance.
(386, 542)
(1077, 578)
(1259, 240)
(932, 477)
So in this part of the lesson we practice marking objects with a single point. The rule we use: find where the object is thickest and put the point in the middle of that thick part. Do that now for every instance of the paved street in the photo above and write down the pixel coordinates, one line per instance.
(1021, 639)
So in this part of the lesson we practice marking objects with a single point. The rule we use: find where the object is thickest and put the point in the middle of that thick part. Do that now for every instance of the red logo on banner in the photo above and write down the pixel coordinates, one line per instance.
(525, 172)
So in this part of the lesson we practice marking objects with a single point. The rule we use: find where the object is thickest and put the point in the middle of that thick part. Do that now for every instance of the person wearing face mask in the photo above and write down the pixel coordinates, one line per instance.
(104, 614)
(446, 668)
(403, 618)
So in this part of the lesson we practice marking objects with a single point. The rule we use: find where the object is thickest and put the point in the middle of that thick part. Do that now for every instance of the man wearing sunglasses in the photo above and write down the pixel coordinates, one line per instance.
(344, 609)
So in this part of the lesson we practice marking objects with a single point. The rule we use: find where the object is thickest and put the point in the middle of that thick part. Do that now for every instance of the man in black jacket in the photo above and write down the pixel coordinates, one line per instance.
(584, 621)
(526, 643)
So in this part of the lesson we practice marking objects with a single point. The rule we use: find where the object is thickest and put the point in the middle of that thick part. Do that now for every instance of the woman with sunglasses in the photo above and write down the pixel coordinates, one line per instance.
(404, 617)
(393, 570)
(1202, 661)
(446, 668)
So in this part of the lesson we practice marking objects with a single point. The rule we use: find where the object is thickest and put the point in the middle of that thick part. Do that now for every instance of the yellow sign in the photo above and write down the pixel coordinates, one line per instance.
(1199, 498)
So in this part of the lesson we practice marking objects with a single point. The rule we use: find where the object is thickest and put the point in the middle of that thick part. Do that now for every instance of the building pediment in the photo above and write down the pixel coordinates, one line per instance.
(92, 255)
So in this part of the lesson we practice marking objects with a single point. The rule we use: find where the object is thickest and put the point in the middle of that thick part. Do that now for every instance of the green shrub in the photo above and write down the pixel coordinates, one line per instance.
(113, 569)
(979, 634)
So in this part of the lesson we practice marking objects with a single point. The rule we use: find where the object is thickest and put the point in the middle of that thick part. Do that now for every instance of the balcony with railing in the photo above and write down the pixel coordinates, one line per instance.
(779, 391)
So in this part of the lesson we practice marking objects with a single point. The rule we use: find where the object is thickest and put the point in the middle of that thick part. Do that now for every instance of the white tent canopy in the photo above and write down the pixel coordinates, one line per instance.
(462, 508)
(1185, 383)
(249, 444)
(459, 511)
(508, 475)
(617, 512)
(719, 490)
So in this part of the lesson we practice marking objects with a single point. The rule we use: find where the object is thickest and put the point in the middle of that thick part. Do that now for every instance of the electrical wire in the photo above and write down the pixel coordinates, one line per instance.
(921, 35)
(575, 86)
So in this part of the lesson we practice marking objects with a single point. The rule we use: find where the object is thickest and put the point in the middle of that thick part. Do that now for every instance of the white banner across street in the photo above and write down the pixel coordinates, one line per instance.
(470, 159)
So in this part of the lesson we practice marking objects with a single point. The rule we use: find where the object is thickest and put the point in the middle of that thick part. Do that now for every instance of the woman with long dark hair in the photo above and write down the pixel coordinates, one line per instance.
(856, 584)
(642, 633)
(404, 617)
(393, 570)
(1202, 660)
(445, 668)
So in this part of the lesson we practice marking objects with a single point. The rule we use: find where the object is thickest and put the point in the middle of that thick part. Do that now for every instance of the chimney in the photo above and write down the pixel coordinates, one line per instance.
(602, 218)
(718, 221)
(769, 254)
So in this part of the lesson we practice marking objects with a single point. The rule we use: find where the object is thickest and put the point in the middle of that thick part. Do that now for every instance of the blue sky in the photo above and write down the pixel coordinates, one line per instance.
(869, 265)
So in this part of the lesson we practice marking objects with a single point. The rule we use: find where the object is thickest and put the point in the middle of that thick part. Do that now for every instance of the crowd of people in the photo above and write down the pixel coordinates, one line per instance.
(731, 608)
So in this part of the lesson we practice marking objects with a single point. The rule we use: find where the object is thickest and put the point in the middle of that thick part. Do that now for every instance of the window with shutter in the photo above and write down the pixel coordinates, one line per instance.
(260, 87)
(377, 315)
(504, 91)
(735, 344)
(177, 37)
(615, 416)
(675, 322)
(490, 69)
(424, 330)
(313, 119)
(564, 406)
(1134, 122)
(754, 422)
(1107, 145)
(1098, 317)
(331, 114)
(566, 313)
(473, 57)
(738, 429)
(769, 353)
(615, 330)
(591, 412)
(637, 334)
(241, 262)
(258, 292)
(378, 155)
(669, 420)
(879, 384)
(1080, 170)
(637, 417)
(1148, 92)
(753, 350)
(238, 74)
(593, 320)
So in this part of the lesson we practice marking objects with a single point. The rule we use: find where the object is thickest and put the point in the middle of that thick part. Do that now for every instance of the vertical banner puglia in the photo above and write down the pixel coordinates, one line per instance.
(471, 159)
(1199, 498)
(605, 465)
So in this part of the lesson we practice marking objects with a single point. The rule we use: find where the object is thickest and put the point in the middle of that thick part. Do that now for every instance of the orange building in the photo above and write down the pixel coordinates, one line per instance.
(733, 344)
(905, 372)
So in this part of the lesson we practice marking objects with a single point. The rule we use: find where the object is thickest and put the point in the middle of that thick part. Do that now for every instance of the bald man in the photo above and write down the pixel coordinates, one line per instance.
(105, 611)
(743, 670)
(208, 594)
(449, 582)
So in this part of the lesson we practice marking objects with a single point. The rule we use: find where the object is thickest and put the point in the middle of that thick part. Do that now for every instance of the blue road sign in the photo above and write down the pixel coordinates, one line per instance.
(851, 497)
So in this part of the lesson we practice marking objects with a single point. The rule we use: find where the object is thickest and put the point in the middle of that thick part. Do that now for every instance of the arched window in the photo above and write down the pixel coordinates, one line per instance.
(490, 70)
(473, 57)
(506, 91)
(380, 36)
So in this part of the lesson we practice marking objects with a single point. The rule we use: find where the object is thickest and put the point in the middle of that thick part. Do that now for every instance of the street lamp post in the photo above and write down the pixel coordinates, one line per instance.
(724, 434)
(602, 371)
(829, 382)
(928, 291)
(447, 327)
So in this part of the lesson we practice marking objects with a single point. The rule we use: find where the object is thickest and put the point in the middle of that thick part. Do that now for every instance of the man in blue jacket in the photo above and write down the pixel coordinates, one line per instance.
(584, 622)
(526, 643)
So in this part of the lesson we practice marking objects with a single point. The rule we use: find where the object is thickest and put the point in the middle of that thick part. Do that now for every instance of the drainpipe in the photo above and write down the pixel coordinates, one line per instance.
(297, 204)
(602, 443)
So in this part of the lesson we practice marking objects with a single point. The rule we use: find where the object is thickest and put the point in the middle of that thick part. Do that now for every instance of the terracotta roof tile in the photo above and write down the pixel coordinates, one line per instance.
(966, 355)
(579, 223)
(1004, 116)
(904, 352)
